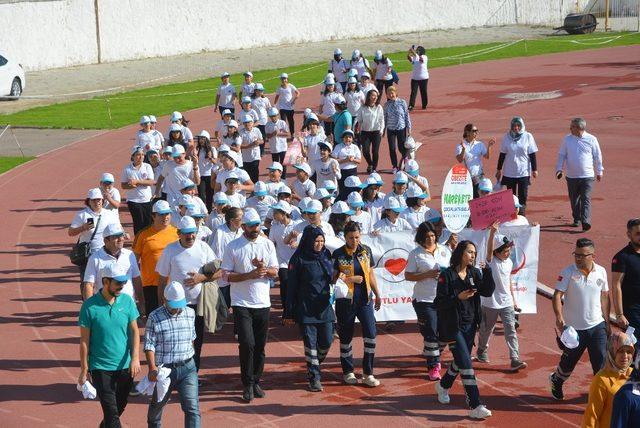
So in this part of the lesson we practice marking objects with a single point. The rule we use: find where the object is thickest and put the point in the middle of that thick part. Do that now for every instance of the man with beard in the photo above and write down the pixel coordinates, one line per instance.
(625, 268)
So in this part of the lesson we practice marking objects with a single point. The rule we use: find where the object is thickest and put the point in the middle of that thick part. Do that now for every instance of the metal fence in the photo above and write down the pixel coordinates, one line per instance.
(616, 15)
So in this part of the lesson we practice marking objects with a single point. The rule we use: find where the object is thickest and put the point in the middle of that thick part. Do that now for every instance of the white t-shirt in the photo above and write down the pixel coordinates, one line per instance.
(221, 238)
(261, 105)
(249, 137)
(361, 65)
(311, 144)
(115, 194)
(385, 225)
(355, 100)
(98, 260)
(224, 173)
(413, 217)
(364, 219)
(237, 200)
(328, 106)
(148, 141)
(339, 69)
(204, 233)
(419, 68)
(221, 128)
(419, 261)
(325, 170)
(176, 262)
(174, 175)
(383, 70)
(106, 217)
(277, 144)
(262, 204)
(501, 272)
(238, 257)
(516, 162)
(582, 309)
(326, 228)
(277, 233)
(206, 165)
(343, 151)
(308, 188)
(226, 93)
(247, 89)
(473, 155)
(285, 100)
(139, 194)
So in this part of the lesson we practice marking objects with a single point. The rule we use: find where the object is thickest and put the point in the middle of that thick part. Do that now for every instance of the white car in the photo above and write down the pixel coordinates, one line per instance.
(12, 81)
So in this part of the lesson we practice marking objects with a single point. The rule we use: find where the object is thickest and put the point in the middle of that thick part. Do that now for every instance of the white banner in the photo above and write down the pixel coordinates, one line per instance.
(390, 251)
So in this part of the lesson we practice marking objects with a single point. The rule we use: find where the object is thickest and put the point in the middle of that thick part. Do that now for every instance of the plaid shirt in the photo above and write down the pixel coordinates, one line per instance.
(396, 115)
(170, 336)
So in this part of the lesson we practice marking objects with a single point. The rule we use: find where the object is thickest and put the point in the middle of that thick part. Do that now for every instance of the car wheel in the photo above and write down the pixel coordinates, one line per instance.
(16, 88)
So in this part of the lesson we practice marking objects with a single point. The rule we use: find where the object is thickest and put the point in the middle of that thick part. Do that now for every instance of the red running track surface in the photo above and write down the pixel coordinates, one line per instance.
(39, 358)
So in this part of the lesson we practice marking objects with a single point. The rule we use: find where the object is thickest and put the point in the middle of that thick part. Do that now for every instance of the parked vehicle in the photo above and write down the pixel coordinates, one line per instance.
(12, 80)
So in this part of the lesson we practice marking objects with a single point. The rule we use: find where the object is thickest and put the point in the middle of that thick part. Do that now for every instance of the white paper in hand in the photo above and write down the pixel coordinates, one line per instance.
(88, 391)
(341, 289)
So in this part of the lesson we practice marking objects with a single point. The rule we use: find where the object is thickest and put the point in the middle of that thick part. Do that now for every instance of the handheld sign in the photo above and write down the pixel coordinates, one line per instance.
(495, 206)
(456, 193)
(294, 153)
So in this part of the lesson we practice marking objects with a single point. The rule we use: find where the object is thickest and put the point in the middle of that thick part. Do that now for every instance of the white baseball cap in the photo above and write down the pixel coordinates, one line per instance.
(355, 200)
(223, 148)
(485, 185)
(246, 99)
(339, 99)
(570, 337)
(168, 150)
(195, 212)
(144, 119)
(276, 166)
(352, 80)
(273, 112)
(329, 81)
(325, 143)
(259, 87)
(247, 118)
(377, 177)
(284, 189)
(94, 193)
(393, 204)
(307, 112)
(432, 216)
(347, 132)
(107, 178)
(136, 149)
(113, 229)
(415, 192)
(321, 193)
(355, 54)
(114, 271)
(400, 178)
(232, 124)
(516, 202)
(284, 76)
(152, 119)
(227, 112)
(174, 127)
(378, 54)
(187, 183)
(177, 150)
(303, 167)
(235, 156)
(205, 134)
(337, 51)
(283, 206)
(174, 295)
(313, 207)
(313, 117)
(220, 198)
(412, 168)
(260, 188)
(353, 181)
(304, 202)
(365, 75)
(248, 73)
(187, 225)
(185, 201)
(251, 217)
(232, 176)
(341, 207)
(352, 73)
(329, 185)
(500, 240)
(161, 207)
(176, 116)
(225, 74)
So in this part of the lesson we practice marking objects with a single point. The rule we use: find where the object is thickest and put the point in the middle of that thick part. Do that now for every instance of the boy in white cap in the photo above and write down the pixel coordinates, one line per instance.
(339, 67)
(311, 144)
(277, 132)
(359, 215)
(230, 163)
(275, 171)
(220, 205)
(416, 208)
(261, 201)
(349, 157)
(248, 87)
(312, 215)
(326, 200)
(232, 139)
(326, 167)
(400, 184)
(232, 183)
(246, 109)
(221, 127)
(351, 184)
(281, 226)
(519, 220)
(391, 221)
(183, 204)
(302, 185)
(412, 168)
(136, 179)
(284, 194)
(204, 233)
(286, 96)
(187, 135)
(174, 172)
(168, 342)
(249, 264)
(366, 85)
(359, 63)
(188, 187)
(485, 186)
(261, 104)
(251, 141)
(226, 95)
(110, 194)
(157, 134)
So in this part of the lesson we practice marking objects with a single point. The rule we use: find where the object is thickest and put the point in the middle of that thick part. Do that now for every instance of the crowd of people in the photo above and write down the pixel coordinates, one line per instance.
(211, 235)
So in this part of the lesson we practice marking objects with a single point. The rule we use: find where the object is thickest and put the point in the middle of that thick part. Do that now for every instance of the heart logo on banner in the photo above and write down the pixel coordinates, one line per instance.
(395, 266)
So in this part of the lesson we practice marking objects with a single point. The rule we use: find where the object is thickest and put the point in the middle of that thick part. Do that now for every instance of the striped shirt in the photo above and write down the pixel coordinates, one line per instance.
(396, 115)
(170, 337)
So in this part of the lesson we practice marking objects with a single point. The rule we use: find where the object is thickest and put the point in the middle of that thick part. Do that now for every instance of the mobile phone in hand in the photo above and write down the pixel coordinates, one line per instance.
(90, 221)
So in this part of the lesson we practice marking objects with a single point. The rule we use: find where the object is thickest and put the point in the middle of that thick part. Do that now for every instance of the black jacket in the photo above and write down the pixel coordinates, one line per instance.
(448, 305)
(308, 292)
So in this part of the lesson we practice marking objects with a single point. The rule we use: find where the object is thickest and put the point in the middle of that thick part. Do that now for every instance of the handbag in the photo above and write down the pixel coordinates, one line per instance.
(80, 251)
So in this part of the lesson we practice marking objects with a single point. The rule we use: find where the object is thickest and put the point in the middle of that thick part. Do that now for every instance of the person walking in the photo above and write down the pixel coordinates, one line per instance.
(175, 172)
(471, 153)
(250, 263)
(168, 343)
(626, 402)
(397, 126)
(285, 100)
(136, 179)
(370, 125)
(110, 344)
(625, 281)
(353, 267)
(308, 301)
(419, 76)
(580, 153)
(458, 306)
(581, 301)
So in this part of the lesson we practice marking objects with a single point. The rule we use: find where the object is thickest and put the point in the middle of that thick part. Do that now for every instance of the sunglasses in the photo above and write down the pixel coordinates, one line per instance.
(582, 256)
(474, 130)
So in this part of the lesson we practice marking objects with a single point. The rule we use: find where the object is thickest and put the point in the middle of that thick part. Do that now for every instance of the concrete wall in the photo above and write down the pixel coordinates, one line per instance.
(62, 33)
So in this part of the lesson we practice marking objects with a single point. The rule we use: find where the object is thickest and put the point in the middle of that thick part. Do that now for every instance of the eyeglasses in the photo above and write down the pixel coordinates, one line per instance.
(582, 256)
(474, 130)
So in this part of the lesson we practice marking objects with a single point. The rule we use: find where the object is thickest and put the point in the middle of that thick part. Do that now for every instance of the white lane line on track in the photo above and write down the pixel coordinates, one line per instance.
(33, 418)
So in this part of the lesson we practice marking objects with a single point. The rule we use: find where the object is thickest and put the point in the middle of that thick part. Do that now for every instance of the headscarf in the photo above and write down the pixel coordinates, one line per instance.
(616, 341)
(307, 252)
(516, 135)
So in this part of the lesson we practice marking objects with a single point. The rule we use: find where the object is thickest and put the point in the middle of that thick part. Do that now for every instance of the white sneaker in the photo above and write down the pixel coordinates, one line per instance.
(443, 394)
(370, 381)
(350, 379)
(480, 412)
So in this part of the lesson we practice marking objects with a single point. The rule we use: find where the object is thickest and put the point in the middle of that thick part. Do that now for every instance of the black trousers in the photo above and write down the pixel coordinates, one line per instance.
(424, 97)
(253, 326)
(381, 86)
(370, 141)
(520, 187)
(396, 138)
(150, 293)
(205, 191)
(113, 389)
(197, 344)
(288, 116)
(283, 275)
(141, 215)
(253, 169)
(263, 131)
(279, 157)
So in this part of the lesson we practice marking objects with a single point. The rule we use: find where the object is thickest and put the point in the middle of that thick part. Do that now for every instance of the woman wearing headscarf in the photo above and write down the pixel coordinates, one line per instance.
(518, 157)
(626, 402)
(308, 301)
(617, 369)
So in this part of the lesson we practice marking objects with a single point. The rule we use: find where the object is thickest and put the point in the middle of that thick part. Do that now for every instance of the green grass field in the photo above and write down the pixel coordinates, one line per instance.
(6, 163)
(117, 110)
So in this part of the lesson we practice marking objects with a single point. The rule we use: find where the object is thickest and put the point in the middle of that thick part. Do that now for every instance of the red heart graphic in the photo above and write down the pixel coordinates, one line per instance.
(395, 266)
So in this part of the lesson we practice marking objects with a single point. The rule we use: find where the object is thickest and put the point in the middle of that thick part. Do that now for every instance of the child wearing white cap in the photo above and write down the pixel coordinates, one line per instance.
(310, 146)
(226, 95)
(391, 221)
(416, 181)
(216, 217)
(146, 137)
(207, 164)
(359, 63)
(382, 69)
(246, 109)
(416, 208)
(232, 138)
(354, 96)
(187, 136)
(232, 191)
(400, 185)
(251, 141)
(277, 132)
(339, 67)
(373, 197)
(230, 162)
(261, 201)
(275, 171)
(327, 105)
(175, 172)
(349, 157)
(281, 226)
(220, 129)
(365, 83)
(136, 179)
(326, 168)
(302, 185)
(261, 104)
(248, 86)
(110, 194)
(363, 218)
(286, 96)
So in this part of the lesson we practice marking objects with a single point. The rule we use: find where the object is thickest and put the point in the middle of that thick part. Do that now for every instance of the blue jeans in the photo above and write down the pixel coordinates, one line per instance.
(184, 378)
(317, 338)
(428, 325)
(346, 313)
(461, 350)
(594, 340)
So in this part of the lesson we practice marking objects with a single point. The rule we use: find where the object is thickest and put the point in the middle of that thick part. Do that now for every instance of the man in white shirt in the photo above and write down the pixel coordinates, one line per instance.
(183, 261)
(249, 264)
(585, 289)
(225, 96)
(581, 154)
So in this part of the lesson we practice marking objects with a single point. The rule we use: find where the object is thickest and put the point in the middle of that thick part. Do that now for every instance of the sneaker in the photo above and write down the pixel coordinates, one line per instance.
(576, 223)
(258, 392)
(247, 394)
(370, 381)
(586, 227)
(480, 412)
(369, 169)
(556, 387)
(482, 357)
(516, 365)
(443, 394)
(434, 372)
(315, 386)
(134, 392)
(350, 379)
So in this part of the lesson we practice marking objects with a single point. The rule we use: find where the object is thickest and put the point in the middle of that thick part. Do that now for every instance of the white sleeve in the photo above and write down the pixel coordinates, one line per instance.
(412, 266)
(273, 259)
(92, 271)
(563, 281)
(533, 147)
(135, 270)
(77, 219)
(163, 267)
(227, 261)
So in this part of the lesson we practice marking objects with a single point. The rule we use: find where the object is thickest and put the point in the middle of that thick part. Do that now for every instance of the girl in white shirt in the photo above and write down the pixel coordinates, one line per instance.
(359, 63)
(311, 145)
(348, 156)
(416, 209)
(391, 221)
(233, 139)
(261, 104)
(370, 124)
(248, 87)
(419, 76)
(326, 168)
(356, 203)
(207, 164)
(226, 95)
(327, 106)
(251, 140)
(382, 69)
(221, 126)
(373, 199)
(277, 132)
(286, 96)
(354, 96)
(136, 180)
(146, 138)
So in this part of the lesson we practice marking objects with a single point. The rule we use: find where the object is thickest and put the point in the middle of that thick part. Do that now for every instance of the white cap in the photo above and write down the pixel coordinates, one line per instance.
(94, 193)
(220, 198)
(259, 87)
(195, 212)
(283, 206)
(432, 215)
(177, 150)
(246, 99)
(232, 124)
(284, 189)
(276, 166)
(272, 112)
(248, 73)
(251, 217)
(516, 202)
(161, 207)
(485, 184)
(232, 176)
(329, 185)
(186, 183)
(325, 143)
(321, 193)
(337, 51)
(378, 54)
(233, 155)
(412, 167)
(329, 81)
(355, 200)
(113, 229)
(175, 127)
(107, 178)
(185, 201)
(205, 134)
(366, 74)
(352, 73)
(247, 118)
(339, 99)
(415, 192)
(393, 204)
(114, 271)
(355, 54)
(307, 112)
(341, 207)
(400, 178)
(303, 167)
(313, 207)
(144, 119)
(223, 148)
(313, 116)
(176, 116)
(377, 177)
(227, 112)
(136, 149)
(353, 181)
(500, 240)
(260, 189)
(167, 149)
(304, 202)
(284, 76)
(174, 295)
(347, 132)
(187, 225)
(225, 74)
(352, 80)
(152, 119)
(570, 337)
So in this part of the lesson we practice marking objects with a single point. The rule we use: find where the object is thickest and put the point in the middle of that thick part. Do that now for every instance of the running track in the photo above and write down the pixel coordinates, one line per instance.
(38, 362)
